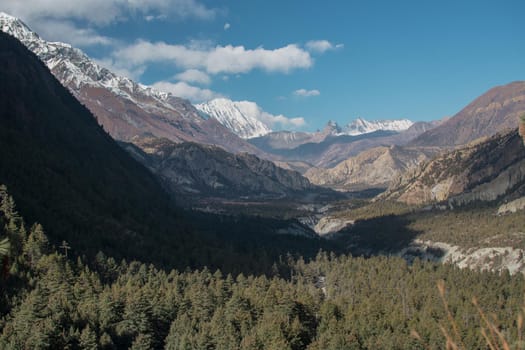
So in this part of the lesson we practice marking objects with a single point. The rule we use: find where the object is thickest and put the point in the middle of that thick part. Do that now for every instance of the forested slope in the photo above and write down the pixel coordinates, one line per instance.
(50, 302)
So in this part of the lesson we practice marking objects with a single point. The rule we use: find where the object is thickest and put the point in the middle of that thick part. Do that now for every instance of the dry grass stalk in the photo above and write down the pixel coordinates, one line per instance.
(493, 337)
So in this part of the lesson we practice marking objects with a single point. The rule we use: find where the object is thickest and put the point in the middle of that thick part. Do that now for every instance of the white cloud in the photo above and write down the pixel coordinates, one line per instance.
(227, 26)
(321, 46)
(271, 120)
(103, 12)
(194, 76)
(66, 31)
(215, 60)
(150, 18)
(109, 64)
(182, 89)
(306, 93)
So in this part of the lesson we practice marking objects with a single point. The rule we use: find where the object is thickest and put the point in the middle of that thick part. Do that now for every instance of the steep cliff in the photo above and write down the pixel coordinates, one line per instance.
(485, 170)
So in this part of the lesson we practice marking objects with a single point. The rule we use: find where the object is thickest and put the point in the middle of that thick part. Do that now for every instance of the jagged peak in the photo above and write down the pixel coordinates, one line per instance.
(8, 17)
(241, 117)
(79, 68)
(16, 27)
(363, 126)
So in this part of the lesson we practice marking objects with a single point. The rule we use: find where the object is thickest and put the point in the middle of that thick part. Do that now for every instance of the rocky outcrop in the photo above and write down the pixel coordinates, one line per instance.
(521, 129)
(496, 259)
(209, 171)
(376, 167)
(328, 224)
(512, 207)
(507, 180)
(486, 170)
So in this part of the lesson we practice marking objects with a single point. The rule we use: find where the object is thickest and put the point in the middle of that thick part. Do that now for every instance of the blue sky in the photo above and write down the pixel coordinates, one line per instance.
(337, 60)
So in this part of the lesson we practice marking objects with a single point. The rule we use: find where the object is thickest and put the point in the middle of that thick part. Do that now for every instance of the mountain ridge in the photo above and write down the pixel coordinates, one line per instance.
(196, 170)
(495, 110)
(372, 168)
(66, 172)
(126, 109)
(488, 169)
(237, 116)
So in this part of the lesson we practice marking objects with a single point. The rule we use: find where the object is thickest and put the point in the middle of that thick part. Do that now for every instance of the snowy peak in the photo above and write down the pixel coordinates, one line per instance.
(241, 117)
(76, 70)
(361, 126)
(124, 108)
(16, 28)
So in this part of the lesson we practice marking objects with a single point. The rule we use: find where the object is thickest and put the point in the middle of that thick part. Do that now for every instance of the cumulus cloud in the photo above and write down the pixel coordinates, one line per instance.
(271, 120)
(194, 76)
(73, 21)
(104, 12)
(109, 64)
(219, 59)
(182, 89)
(306, 93)
(321, 46)
(227, 26)
(66, 31)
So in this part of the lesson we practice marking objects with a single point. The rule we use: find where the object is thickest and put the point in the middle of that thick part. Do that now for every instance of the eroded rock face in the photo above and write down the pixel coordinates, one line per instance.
(482, 171)
(328, 225)
(376, 167)
(512, 207)
(496, 259)
(211, 171)
(522, 131)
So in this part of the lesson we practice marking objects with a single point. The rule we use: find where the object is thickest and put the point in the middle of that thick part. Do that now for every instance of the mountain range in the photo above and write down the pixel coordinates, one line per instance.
(328, 147)
(132, 113)
(247, 120)
(67, 173)
(240, 117)
(123, 107)
(361, 126)
(194, 171)
(127, 109)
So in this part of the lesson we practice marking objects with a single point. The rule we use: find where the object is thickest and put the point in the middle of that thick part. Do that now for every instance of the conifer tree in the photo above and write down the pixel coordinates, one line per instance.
(88, 339)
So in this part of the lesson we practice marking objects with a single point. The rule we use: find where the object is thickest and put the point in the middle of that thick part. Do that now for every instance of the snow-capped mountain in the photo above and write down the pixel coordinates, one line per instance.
(238, 116)
(361, 126)
(76, 68)
(124, 108)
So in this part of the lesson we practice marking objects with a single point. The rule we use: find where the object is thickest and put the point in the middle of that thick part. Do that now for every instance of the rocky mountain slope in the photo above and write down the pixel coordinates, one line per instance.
(372, 168)
(123, 107)
(278, 142)
(67, 173)
(485, 170)
(203, 170)
(496, 110)
(238, 116)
